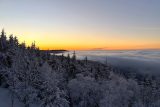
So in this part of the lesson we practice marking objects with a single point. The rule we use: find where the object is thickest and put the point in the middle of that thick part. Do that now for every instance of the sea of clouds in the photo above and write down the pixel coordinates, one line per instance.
(143, 61)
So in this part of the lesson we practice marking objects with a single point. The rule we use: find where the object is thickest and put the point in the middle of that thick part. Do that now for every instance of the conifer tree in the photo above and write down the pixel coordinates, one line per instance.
(3, 41)
(86, 60)
(68, 58)
(74, 56)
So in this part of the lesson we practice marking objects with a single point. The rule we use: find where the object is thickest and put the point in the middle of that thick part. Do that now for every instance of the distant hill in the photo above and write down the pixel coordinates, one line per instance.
(54, 51)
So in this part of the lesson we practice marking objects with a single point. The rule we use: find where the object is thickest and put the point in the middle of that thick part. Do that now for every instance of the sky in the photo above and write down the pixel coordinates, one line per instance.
(83, 24)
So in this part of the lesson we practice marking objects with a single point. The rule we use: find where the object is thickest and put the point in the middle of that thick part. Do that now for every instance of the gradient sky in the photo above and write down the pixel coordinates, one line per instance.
(83, 24)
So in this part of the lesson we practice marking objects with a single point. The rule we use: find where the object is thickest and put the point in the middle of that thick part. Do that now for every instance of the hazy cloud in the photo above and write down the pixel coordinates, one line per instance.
(144, 61)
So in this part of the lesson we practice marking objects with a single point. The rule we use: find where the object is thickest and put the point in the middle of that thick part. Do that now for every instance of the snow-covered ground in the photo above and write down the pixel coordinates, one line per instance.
(5, 99)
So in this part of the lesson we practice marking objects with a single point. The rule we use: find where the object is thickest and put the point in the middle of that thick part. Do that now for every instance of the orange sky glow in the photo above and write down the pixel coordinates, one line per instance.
(83, 24)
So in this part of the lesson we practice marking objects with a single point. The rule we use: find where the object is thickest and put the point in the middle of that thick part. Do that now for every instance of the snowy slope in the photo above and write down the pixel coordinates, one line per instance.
(5, 99)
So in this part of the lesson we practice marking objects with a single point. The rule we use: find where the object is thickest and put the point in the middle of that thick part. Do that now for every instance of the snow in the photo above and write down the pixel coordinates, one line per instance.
(5, 99)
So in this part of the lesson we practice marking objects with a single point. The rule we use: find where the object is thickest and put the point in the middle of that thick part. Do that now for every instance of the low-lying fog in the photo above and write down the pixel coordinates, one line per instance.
(142, 61)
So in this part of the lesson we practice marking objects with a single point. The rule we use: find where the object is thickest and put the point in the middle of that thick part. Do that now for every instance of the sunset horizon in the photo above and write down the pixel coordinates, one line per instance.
(59, 46)
(83, 25)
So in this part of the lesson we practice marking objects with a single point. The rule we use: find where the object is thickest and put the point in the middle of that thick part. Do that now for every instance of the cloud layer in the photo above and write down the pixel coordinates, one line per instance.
(143, 61)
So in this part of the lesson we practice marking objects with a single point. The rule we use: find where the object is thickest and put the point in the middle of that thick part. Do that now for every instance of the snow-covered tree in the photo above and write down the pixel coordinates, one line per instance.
(20, 77)
(74, 56)
(3, 41)
(84, 91)
(51, 95)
